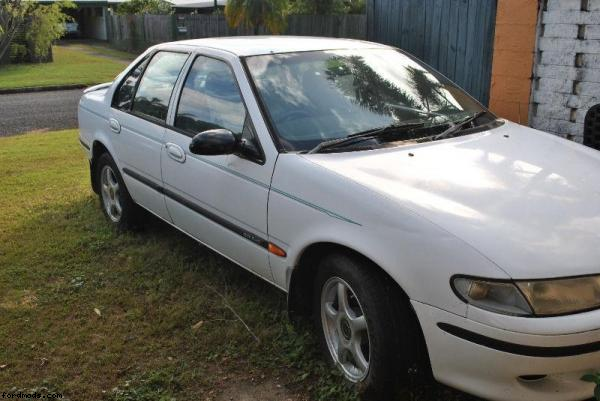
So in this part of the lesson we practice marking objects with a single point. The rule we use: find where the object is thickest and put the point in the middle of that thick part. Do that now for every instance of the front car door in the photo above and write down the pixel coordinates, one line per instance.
(138, 115)
(220, 200)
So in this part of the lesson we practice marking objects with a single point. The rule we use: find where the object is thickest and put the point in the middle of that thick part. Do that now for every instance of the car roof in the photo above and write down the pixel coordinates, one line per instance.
(255, 45)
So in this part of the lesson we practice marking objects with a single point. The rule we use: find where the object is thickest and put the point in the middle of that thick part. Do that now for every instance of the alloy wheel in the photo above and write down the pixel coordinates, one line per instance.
(111, 199)
(345, 327)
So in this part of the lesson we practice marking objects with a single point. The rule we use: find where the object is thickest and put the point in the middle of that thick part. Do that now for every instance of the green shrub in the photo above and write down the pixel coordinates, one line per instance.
(32, 25)
(46, 24)
(593, 378)
(144, 7)
(18, 52)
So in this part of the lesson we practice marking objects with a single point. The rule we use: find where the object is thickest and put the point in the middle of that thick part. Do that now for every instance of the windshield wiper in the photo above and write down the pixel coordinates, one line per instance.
(361, 136)
(418, 111)
(457, 126)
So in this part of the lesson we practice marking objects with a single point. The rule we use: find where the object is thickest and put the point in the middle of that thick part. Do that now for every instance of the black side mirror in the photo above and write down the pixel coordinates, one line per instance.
(214, 142)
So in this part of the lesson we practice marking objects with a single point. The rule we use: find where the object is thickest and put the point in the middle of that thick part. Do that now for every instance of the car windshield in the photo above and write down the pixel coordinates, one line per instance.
(318, 96)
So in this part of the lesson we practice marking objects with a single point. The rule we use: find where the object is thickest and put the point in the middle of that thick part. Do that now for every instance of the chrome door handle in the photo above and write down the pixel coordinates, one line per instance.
(114, 125)
(175, 152)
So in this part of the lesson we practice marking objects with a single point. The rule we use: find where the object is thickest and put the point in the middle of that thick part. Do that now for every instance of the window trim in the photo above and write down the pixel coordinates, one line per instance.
(148, 58)
(266, 116)
(175, 105)
(147, 116)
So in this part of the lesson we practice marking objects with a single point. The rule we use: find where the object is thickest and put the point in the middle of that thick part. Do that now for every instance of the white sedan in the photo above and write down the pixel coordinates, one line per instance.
(419, 231)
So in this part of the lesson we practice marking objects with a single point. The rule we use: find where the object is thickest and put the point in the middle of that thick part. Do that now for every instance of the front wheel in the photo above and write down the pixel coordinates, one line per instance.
(369, 332)
(345, 329)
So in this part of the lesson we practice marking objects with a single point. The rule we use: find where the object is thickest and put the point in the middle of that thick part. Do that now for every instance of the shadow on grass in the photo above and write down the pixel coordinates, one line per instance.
(114, 312)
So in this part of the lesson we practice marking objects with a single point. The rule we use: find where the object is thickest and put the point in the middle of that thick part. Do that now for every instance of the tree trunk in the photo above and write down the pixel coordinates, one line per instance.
(5, 42)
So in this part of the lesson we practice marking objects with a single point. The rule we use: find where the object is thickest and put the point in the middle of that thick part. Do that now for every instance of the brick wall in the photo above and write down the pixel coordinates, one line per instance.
(514, 48)
(567, 67)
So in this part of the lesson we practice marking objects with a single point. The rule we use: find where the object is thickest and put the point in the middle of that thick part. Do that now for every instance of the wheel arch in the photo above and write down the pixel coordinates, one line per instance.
(301, 292)
(300, 288)
(98, 148)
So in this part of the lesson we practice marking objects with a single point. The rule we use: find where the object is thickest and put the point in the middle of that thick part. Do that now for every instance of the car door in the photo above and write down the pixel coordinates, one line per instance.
(138, 116)
(220, 200)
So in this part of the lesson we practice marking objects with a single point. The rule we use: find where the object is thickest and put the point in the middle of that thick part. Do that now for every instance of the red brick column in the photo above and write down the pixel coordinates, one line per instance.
(514, 48)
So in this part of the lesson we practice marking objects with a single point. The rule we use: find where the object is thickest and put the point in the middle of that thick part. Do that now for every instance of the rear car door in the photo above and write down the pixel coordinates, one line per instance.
(138, 115)
(220, 200)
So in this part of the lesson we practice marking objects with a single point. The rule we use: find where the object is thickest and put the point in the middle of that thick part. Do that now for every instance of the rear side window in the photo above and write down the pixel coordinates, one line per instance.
(156, 86)
(124, 96)
(211, 99)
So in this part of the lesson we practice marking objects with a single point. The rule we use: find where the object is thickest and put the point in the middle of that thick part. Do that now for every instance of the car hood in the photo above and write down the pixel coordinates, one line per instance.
(527, 200)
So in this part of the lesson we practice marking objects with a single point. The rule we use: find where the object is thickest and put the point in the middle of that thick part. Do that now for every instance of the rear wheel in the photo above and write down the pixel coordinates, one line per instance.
(111, 194)
(117, 204)
(368, 331)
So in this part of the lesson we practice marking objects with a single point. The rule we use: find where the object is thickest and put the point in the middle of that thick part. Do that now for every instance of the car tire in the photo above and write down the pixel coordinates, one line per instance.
(388, 335)
(115, 201)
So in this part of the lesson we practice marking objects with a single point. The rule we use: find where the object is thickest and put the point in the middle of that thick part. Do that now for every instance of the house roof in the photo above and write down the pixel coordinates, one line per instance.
(176, 3)
(197, 3)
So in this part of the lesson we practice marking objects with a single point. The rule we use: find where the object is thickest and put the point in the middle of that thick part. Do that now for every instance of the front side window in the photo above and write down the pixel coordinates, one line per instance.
(210, 99)
(320, 96)
(156, 86)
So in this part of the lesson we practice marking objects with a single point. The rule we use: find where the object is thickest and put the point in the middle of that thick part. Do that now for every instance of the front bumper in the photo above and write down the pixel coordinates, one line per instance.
(499, 364)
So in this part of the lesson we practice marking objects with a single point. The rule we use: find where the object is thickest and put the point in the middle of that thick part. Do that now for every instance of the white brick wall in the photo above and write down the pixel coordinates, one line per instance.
(563, 58)
(592, 32)
(567, 69)
(591, 60)
(571, 17)
(561, 30)
(554, 85)
(571, 45)
(564, 5)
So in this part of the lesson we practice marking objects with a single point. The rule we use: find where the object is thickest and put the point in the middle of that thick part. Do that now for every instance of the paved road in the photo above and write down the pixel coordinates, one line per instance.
(24, 112)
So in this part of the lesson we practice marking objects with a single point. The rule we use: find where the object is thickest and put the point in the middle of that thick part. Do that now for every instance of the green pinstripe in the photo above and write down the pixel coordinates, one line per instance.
(279, 191)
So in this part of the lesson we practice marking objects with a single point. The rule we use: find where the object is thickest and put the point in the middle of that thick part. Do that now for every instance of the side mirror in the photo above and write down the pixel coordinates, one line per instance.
(214, 142)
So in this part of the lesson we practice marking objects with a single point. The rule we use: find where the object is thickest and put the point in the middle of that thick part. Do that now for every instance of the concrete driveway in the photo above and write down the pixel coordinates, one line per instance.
(24, 112)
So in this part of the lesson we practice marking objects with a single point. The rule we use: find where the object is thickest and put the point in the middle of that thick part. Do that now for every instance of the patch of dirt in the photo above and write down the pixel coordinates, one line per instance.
(18, 299)
(266, 391)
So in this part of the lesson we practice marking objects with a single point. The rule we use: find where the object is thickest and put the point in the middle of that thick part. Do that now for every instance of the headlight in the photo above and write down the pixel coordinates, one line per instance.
(530, 298)
(496, 296)
(558, 297)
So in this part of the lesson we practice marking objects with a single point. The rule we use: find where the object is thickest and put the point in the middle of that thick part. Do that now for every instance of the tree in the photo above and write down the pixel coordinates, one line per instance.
(356, 6)
(45, 24)
(270, 14)
(324, 7)
(145, 7)
(321, 7)
(430, 91)
(12, 13)
(369, 88)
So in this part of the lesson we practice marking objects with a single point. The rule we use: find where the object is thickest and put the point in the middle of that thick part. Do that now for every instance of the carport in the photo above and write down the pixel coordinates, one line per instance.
(90, 15)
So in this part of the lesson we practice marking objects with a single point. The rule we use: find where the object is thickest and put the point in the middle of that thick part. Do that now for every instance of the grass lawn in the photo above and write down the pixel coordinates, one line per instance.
(94, 47)
(69, 67)
(97, 315)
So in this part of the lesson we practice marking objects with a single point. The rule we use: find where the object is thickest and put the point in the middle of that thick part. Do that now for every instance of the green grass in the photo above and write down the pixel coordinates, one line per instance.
(60, 261)
(98, 48)
(69, 67)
